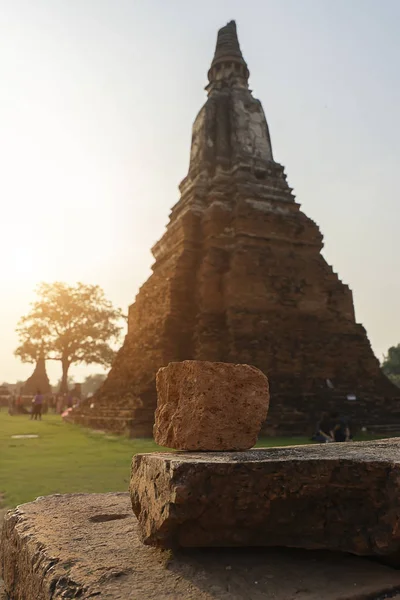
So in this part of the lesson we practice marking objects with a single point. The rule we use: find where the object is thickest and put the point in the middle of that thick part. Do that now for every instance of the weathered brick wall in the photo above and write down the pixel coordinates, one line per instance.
(240, 282)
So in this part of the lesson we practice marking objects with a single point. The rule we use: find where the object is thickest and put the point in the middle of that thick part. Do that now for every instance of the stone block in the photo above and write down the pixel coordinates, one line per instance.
(210, 405)
(343, 497)
(87, 546)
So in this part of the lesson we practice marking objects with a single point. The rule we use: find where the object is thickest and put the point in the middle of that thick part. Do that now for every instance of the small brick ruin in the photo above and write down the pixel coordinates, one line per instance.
(239, 277)
(38, 381)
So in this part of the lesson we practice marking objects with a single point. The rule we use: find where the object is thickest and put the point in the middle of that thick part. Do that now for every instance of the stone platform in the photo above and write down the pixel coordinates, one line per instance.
(86, 546)
(341, 497)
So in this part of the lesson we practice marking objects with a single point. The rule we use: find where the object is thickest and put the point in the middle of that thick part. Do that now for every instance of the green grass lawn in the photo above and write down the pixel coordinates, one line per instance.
(64, 458)
(67, 458)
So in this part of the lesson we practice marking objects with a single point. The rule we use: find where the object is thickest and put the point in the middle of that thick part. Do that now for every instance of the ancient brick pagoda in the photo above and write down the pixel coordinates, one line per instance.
(239, 277)
(38, 381)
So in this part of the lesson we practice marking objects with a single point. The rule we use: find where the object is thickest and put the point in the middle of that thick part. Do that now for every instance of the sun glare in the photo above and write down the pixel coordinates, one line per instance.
(22, 265)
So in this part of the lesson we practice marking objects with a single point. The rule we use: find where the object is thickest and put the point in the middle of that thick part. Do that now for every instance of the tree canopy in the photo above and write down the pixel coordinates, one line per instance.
(72, 324)
(391, 364)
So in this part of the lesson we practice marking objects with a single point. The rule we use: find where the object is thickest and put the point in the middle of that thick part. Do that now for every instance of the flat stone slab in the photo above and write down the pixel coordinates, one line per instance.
(87, 546)
(343, 497)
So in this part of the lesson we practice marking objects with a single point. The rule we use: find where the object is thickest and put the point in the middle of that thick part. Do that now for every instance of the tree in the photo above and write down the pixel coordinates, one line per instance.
(391, 364)
(72, 324)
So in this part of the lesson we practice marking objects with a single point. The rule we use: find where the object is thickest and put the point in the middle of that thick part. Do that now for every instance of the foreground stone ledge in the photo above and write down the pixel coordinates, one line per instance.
(86, 546)
(342, 497)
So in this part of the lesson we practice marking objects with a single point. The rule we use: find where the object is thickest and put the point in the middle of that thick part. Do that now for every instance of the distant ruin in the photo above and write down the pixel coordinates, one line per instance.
(239, 277)
(38, 381)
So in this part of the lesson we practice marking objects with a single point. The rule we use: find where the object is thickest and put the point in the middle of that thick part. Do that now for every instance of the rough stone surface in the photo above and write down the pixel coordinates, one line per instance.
(341, 497)
(86, 546)
(210, 406)
(239, 277)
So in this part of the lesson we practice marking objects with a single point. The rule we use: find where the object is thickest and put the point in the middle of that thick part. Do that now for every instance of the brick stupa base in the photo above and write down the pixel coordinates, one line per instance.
(86, 546)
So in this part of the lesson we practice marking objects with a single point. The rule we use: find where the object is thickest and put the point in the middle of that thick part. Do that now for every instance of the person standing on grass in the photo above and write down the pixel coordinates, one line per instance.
(37, 406)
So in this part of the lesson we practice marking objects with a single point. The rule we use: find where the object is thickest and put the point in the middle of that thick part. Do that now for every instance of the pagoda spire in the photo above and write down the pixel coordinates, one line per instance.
(228, 66)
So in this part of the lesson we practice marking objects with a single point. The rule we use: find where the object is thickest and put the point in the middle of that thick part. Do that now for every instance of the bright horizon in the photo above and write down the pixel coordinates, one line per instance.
(96, 112)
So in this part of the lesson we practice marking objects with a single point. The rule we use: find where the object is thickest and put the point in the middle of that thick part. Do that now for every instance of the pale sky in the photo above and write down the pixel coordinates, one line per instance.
(96, 106)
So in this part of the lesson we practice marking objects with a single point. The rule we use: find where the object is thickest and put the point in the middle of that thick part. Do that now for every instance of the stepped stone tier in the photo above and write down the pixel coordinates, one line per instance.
(38, 381)
(239, 277)
(87, 546)
(342, 497)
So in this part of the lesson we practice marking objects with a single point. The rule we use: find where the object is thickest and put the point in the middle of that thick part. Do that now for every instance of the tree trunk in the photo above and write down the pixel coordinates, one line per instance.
(64, 379)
